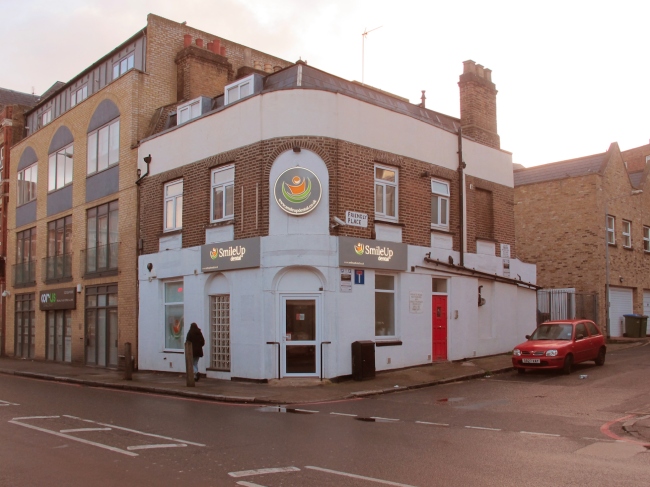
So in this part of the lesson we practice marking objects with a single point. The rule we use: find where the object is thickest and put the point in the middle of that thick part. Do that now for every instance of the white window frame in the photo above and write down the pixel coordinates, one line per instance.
(46, 117)
(175, 200)
(188, 111)
(2, 157)
(393, 292)
(123, 65)
(60, 168)
(233, 91)
(175, 304)
(112, 131)
(78, 95)
(27, 193)
(383, 184)
(441, 196)
(627, 234)
(646, 239)
(611, 230)
(222, 178)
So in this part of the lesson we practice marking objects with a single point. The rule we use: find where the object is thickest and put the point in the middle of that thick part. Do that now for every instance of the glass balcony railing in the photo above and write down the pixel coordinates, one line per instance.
(99, 259)
(57, 267)
(25, 273)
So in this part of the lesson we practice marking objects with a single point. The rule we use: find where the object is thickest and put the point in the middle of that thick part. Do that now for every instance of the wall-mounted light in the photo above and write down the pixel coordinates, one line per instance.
(620, 279)
(79, 288)
(149, 266)
(481, 299)
(6, 293)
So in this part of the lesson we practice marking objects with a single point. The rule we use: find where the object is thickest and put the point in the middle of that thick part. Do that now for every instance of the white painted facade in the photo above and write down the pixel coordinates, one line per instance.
(300, 259)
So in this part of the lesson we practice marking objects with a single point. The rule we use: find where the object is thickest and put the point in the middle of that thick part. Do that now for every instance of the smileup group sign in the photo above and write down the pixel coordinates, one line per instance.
(373, 254)
(297, 191)
(226, 256)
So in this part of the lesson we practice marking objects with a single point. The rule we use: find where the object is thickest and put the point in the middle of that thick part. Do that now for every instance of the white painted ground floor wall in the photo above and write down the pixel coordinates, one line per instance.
(309, 266)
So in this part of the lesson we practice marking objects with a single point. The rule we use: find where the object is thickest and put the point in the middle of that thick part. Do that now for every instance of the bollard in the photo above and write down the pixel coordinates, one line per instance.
(128, 362)
(189, 368)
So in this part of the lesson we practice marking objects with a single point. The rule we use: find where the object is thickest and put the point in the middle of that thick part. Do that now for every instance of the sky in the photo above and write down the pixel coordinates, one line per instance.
(573, 76)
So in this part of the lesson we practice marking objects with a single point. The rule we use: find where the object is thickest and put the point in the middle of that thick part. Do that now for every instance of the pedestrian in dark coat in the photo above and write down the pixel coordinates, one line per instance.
(195, 337)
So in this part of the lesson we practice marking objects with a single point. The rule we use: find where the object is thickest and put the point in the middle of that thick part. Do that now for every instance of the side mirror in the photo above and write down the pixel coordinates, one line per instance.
(527, 337)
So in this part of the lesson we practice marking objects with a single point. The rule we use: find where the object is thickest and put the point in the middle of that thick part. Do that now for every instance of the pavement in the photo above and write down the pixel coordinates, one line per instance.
(286, 391)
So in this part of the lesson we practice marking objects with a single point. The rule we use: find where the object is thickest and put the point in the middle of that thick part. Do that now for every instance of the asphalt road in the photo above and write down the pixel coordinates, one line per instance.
(540, 429)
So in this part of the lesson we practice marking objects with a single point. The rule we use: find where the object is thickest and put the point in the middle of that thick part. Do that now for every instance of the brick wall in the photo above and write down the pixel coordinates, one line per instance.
(478, 104)
(351, 187)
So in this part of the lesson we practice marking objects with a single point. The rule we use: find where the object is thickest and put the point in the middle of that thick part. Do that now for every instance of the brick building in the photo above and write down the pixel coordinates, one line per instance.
(73, 209)
(584, 223)
(12, 108)
(300, 212)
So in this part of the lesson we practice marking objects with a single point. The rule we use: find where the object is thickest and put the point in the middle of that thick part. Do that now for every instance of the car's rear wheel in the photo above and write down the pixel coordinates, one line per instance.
(568, 364)
(600, 359)
(521, 371)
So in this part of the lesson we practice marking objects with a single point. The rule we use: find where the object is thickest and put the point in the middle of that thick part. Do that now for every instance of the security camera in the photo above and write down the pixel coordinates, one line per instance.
(338, 221)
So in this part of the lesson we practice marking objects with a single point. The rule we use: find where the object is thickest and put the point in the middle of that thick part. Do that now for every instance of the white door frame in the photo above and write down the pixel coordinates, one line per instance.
(284, 297)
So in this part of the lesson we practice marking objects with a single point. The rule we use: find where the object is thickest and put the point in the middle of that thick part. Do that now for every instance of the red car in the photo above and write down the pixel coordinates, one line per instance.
(559, 345)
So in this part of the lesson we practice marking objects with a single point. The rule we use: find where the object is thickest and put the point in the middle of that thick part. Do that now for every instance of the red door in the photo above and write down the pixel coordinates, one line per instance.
(439, 324)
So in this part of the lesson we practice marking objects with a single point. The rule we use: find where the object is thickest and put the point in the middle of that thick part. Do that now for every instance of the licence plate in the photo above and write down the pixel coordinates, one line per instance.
(530, 361)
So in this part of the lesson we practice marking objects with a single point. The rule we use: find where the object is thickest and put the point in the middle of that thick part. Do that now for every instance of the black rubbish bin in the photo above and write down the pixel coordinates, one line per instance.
(634, 324)
(644, 326)
(363, 360)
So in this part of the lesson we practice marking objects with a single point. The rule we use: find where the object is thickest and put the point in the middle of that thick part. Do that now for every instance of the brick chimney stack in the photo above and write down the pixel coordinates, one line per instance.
(478, 104)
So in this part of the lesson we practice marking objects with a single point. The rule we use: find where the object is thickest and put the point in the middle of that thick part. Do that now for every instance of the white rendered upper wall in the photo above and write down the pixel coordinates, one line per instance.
(302, 112)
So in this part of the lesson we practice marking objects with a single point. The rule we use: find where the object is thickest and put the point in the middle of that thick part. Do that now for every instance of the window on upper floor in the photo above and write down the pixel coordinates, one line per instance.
(439, 204)
(103, 147)
(188, 111)
(59, 249)
(60, 168)
(646, 239)
(46, 117)
(385, 193)
(627, 234)
(239, 89)
(78, 95)
(611, 235)
(223, 194)
(174, 205)
(102, 238)
(25, 268)
(27, 184)
(123, 65)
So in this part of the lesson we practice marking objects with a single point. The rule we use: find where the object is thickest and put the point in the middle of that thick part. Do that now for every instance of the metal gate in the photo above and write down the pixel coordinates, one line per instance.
(566, 304)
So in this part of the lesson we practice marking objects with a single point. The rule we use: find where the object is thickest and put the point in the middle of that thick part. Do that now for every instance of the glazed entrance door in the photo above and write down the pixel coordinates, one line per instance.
(299, 348)
(439, 325)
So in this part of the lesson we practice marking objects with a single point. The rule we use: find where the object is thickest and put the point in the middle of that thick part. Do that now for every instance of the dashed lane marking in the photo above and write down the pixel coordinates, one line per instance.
(147, 447)
(538, 434)
(361, 477)
(379, 418)
(7, 403)
(482, 428)
(344, 414)
(83, 430)
(432, 424)
(263, 471)
(248, 484)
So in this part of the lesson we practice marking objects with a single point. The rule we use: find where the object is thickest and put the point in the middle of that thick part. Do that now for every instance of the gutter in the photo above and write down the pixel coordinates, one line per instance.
(461, 195)
(465, 271)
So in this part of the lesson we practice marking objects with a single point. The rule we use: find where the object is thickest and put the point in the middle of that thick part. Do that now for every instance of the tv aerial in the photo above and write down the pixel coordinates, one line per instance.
(363, 50)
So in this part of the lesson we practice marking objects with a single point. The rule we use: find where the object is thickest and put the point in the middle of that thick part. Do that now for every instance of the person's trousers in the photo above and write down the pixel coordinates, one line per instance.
(196, 364)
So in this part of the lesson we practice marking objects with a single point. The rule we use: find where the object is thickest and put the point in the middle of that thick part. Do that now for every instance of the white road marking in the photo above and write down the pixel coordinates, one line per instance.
(482, 428)
(147, 447)
(81, 430)
(598, 439)
(539, 434)
(135, 431)
(248, 484)
(434, 424)
(262, 471)
(383, 419)
(7, 403)
(73, 438)
(35, 417)
(305, 411)
(354, 476)
(344, 414)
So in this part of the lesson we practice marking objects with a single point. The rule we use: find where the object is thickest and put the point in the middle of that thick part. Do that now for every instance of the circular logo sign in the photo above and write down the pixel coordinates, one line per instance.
(297, 191)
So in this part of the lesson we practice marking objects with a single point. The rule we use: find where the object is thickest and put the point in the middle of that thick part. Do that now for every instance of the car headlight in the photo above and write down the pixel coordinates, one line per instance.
(551, 353)
(516, 352)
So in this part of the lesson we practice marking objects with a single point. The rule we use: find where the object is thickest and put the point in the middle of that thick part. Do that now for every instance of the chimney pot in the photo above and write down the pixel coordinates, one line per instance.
(488, 74)
(199, 42)
(187, 40)
(222, 51)
(209, 46)
(479, 71)
(268, 68)
(258, 65)
(216, 46)
(276, 68)
(469, 66)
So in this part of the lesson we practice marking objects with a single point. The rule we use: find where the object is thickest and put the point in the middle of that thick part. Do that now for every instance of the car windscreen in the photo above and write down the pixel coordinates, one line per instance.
(553, 331)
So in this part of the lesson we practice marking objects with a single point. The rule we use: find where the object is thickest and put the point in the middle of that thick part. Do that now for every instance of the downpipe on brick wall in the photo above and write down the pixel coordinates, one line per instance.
(461, 194)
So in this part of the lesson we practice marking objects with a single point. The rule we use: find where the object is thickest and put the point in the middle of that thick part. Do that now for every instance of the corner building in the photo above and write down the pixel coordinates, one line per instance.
(73, 214)
(303, 213)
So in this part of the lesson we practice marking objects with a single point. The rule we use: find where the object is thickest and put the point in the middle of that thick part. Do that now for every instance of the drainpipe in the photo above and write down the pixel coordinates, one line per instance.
(607, 324)
(138, 250)
(461, 195)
